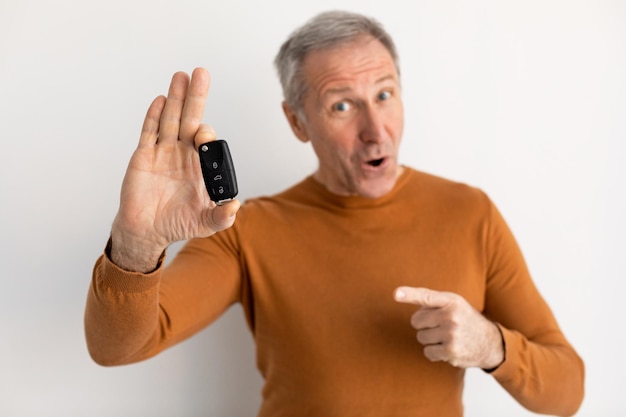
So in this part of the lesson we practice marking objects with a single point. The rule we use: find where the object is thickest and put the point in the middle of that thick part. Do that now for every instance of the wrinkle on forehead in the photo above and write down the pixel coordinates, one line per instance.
(364, 60)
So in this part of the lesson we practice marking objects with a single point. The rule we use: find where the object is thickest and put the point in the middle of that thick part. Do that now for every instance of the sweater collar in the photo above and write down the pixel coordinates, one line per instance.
(359, 202)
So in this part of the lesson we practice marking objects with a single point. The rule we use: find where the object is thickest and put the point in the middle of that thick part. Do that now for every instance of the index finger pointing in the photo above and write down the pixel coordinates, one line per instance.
(423, 297)
(193, 110)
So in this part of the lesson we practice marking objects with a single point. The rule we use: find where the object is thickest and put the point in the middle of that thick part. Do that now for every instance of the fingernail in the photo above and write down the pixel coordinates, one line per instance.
(400, 294)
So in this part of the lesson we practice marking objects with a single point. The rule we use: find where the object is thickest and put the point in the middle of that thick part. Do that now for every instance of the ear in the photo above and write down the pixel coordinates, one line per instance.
(296, 124)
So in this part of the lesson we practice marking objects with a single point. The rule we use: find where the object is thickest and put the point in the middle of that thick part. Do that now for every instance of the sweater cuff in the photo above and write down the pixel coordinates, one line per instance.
(111, 276)
(512, 350)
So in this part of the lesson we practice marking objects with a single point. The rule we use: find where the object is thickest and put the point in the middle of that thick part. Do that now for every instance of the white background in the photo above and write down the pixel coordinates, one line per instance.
(524, 99)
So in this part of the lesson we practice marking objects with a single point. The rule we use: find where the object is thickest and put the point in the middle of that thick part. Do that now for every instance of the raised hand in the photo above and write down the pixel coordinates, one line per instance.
(451, 330)
(163, 198)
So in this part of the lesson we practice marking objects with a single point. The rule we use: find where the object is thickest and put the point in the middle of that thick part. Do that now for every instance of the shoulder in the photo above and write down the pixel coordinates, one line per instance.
(428, 189)
(298, 196)
(296, 192)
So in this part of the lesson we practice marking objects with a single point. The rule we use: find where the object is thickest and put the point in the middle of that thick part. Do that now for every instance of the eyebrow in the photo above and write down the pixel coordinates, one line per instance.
(339, 90)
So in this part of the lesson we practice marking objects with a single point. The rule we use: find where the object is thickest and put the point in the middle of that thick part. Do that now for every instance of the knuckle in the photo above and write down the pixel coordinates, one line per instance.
(429, 354)
(415, 320)
(428, 298)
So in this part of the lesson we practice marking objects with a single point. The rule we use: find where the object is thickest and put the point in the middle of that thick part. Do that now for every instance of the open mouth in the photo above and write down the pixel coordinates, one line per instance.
(376, 162)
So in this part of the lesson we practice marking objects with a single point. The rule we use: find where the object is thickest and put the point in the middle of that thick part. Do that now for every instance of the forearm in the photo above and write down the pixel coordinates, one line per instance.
(122, 314)
(544, 377)
(541, 370)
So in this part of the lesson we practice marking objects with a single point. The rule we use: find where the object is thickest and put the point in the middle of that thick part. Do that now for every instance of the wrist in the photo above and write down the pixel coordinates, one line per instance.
(134, 254)
(497, 353)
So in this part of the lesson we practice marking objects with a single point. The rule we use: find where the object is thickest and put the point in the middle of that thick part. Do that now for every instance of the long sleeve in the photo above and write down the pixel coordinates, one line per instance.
(131, 316)
(122, 314)
(541, 369)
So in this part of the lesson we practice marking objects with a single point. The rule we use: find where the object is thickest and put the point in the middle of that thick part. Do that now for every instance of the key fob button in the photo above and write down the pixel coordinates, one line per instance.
(221, 189)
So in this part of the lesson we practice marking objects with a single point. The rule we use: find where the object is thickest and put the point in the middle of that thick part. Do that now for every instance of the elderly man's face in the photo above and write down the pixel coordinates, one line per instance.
(353, 117)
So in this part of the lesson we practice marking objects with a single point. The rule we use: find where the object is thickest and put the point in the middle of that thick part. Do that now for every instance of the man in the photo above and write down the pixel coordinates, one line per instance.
(339, 274)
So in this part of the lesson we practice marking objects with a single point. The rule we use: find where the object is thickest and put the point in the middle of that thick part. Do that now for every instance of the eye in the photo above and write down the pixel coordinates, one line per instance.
(342, 106)
(384, 95)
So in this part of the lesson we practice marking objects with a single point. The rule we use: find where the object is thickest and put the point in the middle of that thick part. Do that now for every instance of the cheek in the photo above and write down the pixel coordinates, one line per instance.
(334, 152)
(337, 140)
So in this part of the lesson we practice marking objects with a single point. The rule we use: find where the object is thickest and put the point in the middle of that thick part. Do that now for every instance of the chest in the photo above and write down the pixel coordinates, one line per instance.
(325, 260)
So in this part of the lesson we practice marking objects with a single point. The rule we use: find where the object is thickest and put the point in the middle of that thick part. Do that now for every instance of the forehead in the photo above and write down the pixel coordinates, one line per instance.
(362, 60)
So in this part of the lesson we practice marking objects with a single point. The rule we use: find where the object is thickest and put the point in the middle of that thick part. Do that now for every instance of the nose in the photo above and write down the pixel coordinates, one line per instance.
(372, 125)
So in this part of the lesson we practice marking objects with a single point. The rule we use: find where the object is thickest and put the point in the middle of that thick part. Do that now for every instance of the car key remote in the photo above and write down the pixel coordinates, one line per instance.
(218, 171)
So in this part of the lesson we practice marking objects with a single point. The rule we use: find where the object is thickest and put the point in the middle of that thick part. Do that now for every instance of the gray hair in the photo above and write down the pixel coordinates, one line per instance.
(326, 30)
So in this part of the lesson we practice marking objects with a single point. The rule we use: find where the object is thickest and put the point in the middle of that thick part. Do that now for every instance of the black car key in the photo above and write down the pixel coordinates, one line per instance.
(218, 171)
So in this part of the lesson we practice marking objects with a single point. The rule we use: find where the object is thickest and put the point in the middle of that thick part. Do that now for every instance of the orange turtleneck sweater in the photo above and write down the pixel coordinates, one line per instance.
(315, 273)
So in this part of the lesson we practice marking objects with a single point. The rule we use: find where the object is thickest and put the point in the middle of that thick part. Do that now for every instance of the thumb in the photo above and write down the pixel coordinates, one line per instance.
(223, 216)
(423, 297)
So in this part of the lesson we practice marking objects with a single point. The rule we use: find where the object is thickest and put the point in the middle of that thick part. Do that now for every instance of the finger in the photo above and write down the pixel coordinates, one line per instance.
(442, 353)
(193, 110)
(223, 216)
(427, 318)
(424, 297)
(436, 353)
(204, 134)
(431, 337)
(170, 119)
(150, 128)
